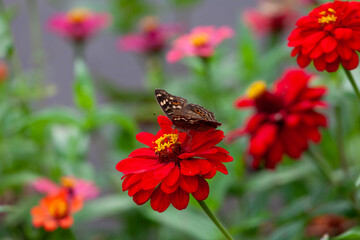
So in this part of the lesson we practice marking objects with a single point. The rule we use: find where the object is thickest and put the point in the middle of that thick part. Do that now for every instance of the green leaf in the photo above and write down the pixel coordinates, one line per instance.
(55, 115)
(5, 209)
(285, 175)
(17, 179)
(109, 114)
(105, 206)
(84, 93)
(351, 234)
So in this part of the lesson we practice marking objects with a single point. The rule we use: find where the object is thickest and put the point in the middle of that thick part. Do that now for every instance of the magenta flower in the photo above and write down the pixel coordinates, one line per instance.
(270, 17)
(86, 190)
(201, 42)
(151, 38)
(78, 24)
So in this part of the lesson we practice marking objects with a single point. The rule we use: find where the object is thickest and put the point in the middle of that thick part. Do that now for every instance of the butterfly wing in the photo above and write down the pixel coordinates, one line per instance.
(195, 117)
(171, 105)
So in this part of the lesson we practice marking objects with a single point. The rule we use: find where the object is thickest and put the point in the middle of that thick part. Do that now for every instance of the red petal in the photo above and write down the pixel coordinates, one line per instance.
(303, 60)
(143, 152)
(146, 138)
(320, 64)
(345, 52)
(275, 155)
(331, 57)
(333, 67)
(149, 181)
(243, 102)
(188, 168)
(142, 196)
(343, 33)
(163, 171)
(262, 138)
(173, 176)
(203, 190)
(137, 165)
(328, 44)
(179, 199)
(201, 141)
(159, 201)
(169, 189)
(132, 179)
(165, 124)
(352, 63)
(134, 189)
(189, 183)
(211, 174)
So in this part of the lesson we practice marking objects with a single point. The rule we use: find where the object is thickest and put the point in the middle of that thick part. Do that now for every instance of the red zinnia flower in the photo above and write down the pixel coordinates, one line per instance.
(55, 211)
(173, 165)
(201, 42)
(328, 36)
(78, 24)
(152, 37)
(285, 119)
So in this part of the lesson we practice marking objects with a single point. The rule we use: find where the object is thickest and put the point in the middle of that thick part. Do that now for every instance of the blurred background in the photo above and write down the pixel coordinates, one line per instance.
(60, 116)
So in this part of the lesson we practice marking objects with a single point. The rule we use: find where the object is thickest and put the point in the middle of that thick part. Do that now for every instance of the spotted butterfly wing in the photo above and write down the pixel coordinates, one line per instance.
(185, 116)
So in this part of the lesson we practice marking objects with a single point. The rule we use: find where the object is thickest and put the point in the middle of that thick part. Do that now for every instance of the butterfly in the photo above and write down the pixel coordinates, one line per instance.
(185, 116)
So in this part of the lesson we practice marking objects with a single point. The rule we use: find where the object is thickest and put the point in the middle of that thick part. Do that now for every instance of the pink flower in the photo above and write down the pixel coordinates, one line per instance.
(201, 42)
(270, 17)
(78, 187)
(151, 38)
(78, 24)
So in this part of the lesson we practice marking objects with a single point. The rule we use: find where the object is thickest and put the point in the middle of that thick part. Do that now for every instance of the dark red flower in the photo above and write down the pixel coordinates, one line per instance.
(285, 118)
(330, 224)
(173, 165)
(328, 36)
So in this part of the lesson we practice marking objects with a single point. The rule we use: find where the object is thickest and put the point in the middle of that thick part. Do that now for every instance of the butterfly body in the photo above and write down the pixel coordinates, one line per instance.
(185, 116)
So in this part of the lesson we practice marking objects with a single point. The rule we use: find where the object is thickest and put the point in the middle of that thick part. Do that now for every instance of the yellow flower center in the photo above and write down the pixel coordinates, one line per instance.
(166, 141)
(256, 89)
(58, 208)
(149, 23)
(199, 39)
(68, 182)
(78, 15)
(328, 16)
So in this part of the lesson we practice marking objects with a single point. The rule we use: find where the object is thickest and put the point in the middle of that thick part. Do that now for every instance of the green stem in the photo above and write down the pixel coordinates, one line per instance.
(155, 72)
(12, 55)
(323, 166)
(208, 82)
(353, 83)
(215, 220)
(36, 38)
(340, 141)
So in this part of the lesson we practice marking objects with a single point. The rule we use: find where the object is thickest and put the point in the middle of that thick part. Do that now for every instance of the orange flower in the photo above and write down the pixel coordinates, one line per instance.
(55, 211)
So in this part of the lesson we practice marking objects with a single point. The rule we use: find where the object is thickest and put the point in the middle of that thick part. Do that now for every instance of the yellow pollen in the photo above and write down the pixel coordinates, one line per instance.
(78, 15)
(58, 208)
(199, 39)
(149, 23)
(166, 141)
(68, 182)
(256, 89)
(327, 16)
